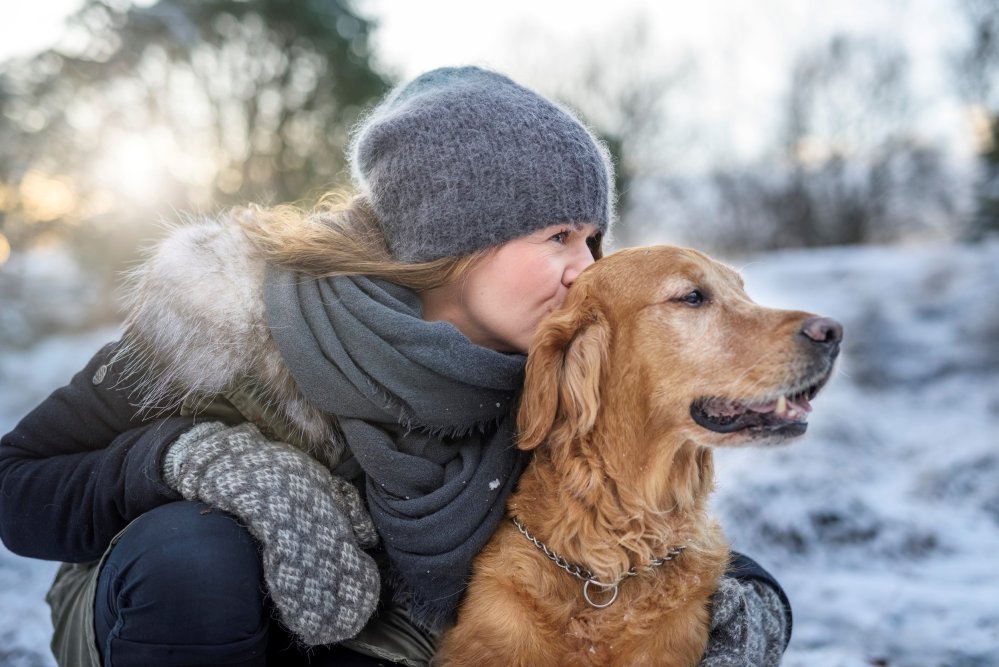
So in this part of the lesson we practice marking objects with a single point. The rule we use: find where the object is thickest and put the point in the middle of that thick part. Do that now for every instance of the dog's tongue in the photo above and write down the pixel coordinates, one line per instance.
(782, 408)
(800, 404)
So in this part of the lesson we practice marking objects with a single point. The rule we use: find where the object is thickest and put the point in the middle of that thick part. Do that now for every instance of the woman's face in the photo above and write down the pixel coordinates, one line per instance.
(501, 300)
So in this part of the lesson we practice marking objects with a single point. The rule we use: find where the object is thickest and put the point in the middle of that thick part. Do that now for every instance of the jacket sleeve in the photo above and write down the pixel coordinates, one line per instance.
(80, 466)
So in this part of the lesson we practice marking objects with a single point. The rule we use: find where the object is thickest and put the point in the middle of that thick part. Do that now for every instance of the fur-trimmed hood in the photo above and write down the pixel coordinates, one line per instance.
(196, 327)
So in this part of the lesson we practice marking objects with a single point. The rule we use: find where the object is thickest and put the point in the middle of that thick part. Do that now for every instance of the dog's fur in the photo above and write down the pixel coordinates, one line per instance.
(621, 471)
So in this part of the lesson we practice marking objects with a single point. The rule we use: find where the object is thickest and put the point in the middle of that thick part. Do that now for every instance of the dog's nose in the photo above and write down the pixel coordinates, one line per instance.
(823, 330)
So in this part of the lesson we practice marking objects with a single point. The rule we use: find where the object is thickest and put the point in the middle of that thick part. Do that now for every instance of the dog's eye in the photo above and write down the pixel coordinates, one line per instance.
(693, 298)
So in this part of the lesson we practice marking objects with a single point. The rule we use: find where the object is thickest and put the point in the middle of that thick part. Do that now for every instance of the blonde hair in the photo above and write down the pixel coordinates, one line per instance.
(341, 236)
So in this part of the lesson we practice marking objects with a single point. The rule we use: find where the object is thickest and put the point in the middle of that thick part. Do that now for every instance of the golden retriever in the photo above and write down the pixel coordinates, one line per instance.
(609, 556)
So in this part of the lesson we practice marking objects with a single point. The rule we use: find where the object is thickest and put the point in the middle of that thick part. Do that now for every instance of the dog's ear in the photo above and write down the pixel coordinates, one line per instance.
(562, 385)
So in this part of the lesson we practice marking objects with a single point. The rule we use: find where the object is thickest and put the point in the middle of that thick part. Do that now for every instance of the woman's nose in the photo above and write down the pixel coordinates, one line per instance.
(579, 261)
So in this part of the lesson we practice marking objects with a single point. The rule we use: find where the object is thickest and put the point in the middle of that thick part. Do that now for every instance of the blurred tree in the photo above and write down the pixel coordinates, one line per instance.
(143, 110)
(847, 168)
(188, 104)
(901, 190)
(977, 67)
(845, 97)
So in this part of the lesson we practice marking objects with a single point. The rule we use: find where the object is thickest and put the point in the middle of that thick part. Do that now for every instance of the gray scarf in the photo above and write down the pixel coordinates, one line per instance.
(426, 414)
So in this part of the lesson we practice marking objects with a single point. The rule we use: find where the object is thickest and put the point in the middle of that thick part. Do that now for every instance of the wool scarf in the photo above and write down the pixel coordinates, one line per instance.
(426, 414)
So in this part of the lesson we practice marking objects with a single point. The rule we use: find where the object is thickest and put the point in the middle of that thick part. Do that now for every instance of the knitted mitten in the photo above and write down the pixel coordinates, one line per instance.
(307, 522)
(748, 626)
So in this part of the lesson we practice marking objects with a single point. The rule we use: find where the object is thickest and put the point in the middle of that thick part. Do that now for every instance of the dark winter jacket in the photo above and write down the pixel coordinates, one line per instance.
(80, 466)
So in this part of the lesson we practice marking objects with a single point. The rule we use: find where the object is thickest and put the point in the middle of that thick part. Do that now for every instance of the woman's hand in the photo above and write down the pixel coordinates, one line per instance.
(749, 625)
(311, 525)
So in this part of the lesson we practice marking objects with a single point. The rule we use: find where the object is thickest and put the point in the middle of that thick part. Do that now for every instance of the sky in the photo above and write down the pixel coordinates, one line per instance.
(32, 26)
(742, 48)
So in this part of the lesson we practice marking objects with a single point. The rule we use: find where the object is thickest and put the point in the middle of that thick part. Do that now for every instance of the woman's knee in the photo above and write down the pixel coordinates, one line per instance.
(184, 572)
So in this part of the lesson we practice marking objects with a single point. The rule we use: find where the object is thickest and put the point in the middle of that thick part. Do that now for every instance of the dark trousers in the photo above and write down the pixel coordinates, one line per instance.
(184, 586)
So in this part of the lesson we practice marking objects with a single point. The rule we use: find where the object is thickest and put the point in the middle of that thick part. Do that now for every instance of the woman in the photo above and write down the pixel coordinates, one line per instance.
(383, 340)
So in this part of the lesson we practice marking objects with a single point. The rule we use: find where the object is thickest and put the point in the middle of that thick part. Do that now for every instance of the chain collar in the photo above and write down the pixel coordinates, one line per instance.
(587, 577)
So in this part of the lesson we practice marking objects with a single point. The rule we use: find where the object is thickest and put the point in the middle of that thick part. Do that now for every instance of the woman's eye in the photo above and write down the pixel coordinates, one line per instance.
(561, 237)
(693, 298)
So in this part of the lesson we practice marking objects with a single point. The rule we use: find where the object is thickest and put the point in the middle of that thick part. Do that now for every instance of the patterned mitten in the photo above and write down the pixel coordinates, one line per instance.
(309, 524)
(748, 626)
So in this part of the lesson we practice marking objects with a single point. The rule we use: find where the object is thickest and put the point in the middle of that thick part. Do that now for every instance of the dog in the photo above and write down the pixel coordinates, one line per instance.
(608, 555)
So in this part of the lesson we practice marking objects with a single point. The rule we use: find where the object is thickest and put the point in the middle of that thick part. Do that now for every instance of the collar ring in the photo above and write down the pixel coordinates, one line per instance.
(604, 588)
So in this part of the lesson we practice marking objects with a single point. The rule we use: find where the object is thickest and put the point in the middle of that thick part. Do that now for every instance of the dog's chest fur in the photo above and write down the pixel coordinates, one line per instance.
(661, 612)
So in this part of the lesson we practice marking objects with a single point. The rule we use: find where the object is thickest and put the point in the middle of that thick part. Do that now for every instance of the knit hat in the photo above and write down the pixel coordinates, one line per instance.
(461, 159)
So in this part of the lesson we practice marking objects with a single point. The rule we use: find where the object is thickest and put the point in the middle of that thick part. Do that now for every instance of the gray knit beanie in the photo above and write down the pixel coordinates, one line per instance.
(461, 159)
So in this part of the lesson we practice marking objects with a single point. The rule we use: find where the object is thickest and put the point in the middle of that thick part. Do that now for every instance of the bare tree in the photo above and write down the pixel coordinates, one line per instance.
(977, 75)
(847, 168)
(977, 63)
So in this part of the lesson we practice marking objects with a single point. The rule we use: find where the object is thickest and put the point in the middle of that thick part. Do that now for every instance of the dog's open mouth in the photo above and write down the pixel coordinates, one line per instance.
(786, 415)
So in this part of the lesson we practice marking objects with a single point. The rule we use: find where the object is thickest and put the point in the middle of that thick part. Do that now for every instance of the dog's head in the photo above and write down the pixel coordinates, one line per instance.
(665, 341)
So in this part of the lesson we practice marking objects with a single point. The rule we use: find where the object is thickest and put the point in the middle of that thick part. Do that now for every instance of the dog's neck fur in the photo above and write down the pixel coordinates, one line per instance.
(640, 519)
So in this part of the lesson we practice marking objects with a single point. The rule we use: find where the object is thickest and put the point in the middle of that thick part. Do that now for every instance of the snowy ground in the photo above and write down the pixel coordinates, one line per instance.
(883, 524)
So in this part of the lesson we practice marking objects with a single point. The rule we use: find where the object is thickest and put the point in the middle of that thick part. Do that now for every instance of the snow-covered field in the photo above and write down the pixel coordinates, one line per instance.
(882, 524)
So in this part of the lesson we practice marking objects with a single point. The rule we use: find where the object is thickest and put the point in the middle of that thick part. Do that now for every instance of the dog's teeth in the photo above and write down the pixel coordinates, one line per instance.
(781, 405)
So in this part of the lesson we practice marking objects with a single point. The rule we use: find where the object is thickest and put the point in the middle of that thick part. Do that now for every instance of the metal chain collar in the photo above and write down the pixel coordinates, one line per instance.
(587, 577)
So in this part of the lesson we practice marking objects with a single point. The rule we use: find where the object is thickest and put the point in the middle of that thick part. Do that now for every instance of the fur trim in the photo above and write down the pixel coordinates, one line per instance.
(196, 327)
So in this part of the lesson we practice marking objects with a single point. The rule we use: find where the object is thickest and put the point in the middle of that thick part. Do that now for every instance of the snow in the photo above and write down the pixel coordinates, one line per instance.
(882, 523)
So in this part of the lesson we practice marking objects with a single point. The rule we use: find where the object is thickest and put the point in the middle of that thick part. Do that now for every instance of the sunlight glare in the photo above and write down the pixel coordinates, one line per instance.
(981, 127)
(132, 167)
(45, 197)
